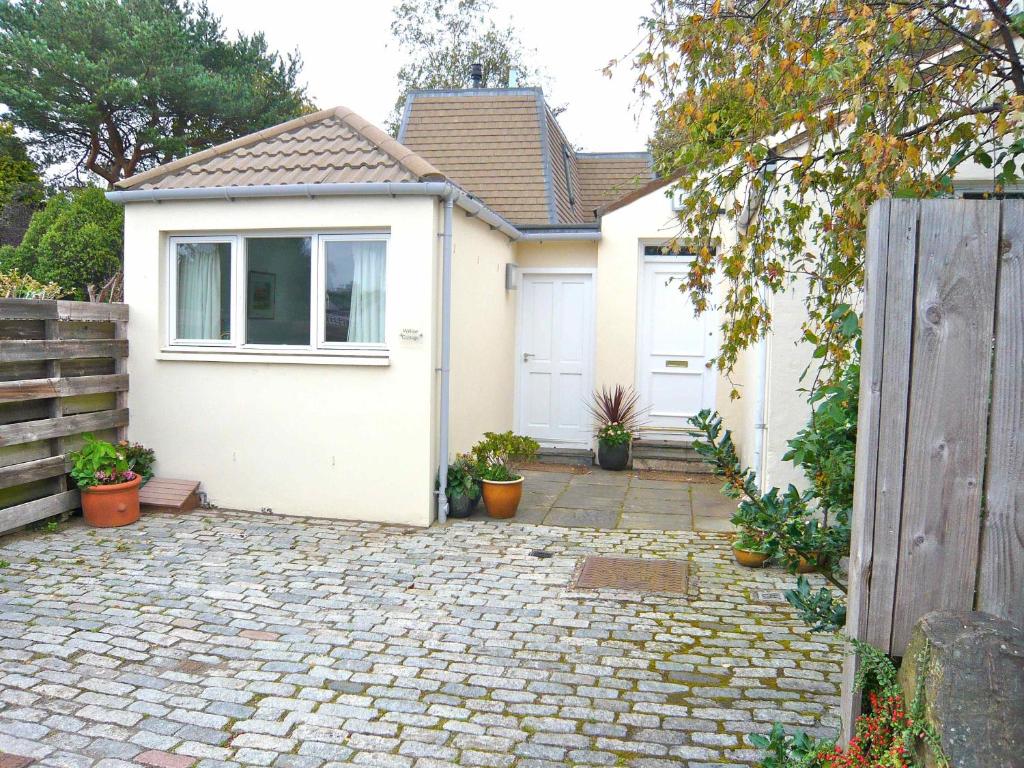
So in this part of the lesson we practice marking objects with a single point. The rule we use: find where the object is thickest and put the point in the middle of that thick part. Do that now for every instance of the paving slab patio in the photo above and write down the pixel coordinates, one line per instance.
(601, 499)
(221, 639)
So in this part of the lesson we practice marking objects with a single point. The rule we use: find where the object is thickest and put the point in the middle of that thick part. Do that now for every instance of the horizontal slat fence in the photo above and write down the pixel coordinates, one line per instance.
(938, 518)
(63, 372)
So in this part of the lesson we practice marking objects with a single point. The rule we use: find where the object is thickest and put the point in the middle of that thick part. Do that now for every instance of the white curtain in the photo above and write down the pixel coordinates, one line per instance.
(366, 318)
(198, 291)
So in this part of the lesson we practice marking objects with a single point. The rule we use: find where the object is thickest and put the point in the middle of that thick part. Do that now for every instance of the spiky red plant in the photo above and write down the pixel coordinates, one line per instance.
(619, 405)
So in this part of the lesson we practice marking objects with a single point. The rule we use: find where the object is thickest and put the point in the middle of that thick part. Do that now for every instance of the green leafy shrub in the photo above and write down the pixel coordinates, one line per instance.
(461, 479)
(14, 285)
(780, 524)
(825, 449)
(494, 456)
(19, 177)
(140, 458)
(100, 463)
(513, 447)
(75, 240)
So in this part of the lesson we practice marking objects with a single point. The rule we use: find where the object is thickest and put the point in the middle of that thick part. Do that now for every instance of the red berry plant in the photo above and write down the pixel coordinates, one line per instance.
(886, 736)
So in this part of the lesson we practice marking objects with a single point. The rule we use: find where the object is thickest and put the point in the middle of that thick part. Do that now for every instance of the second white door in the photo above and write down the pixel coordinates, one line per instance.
(555, 350)
(673, 352)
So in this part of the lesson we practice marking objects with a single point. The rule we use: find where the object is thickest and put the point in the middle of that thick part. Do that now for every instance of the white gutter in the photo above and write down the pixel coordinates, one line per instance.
(446, 354)
(560, 234)
(445, 189)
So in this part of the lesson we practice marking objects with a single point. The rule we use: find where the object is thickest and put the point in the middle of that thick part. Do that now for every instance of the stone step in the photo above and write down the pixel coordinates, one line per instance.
(669, 456)
(684, 466)
(579, 457)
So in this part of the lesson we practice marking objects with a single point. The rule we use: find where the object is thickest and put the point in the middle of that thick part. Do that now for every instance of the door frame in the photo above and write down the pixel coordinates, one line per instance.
(710, 390)
(590, 337)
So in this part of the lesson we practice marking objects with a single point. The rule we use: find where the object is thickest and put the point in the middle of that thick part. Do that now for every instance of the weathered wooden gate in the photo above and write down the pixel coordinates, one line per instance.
(938, 517)
(63, 372)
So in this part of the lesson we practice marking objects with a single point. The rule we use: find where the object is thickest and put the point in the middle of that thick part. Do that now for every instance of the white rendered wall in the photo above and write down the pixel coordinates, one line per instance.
(327, 440)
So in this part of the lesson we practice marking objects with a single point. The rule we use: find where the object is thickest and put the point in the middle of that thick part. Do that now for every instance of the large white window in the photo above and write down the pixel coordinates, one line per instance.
(306, 292)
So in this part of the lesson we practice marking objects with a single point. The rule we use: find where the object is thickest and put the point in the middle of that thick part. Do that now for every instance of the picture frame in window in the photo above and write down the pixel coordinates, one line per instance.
(262, 294)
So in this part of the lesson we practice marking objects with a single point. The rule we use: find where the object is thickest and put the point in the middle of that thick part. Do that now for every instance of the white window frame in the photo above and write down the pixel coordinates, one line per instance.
(321, 291)
(172, 292)
(236, 346)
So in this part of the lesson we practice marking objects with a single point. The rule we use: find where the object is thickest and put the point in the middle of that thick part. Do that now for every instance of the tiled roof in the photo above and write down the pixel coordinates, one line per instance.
(334, 145)
(608, 176)
(491, 146)
(565, 178)
(506, 147)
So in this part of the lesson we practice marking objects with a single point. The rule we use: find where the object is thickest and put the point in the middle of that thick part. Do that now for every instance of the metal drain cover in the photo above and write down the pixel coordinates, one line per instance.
(770, 596)
(633, 574)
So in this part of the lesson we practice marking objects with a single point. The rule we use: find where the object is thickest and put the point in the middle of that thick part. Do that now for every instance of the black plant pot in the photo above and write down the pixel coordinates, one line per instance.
(613, 457)
(460, 506)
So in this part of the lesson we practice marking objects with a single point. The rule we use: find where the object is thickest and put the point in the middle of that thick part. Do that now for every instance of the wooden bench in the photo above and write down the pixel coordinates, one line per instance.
(162, 494)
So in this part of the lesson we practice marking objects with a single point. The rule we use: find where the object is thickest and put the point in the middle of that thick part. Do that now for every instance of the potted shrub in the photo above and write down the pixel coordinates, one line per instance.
(502, 486)
(140, 459)
(494, 458)
(463, 491)
(617, 415)
(750, 551)
(760, 524)
(106, 475)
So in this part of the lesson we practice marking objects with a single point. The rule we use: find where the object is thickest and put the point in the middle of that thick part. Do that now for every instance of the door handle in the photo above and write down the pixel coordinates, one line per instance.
(527, 356)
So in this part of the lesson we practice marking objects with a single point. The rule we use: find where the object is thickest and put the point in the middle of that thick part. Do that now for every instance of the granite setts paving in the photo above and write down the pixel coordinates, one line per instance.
(223, 639)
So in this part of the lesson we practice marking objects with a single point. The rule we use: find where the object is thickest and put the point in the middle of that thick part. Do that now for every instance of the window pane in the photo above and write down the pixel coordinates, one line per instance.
(354, 276)
(203, 293)
(277, 290)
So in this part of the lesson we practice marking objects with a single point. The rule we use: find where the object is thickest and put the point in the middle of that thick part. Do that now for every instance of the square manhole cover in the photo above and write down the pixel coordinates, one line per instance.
(633, 574)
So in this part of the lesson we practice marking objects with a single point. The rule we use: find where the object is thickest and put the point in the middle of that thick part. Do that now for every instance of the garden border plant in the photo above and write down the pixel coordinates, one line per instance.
(887, 735)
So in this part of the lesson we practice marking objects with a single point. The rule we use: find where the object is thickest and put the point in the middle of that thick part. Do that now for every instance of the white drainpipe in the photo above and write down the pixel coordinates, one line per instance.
(446, 354)
(760, 410)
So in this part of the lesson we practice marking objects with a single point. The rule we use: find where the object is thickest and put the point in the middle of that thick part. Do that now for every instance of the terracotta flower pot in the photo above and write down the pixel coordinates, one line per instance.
(502, 498)
(749, 559)
(108, 506)
(805, 565)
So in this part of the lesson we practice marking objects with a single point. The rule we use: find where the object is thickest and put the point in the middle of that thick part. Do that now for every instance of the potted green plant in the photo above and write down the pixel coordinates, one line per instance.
(462, 490)
(617, 416)
(140, 459)
(109, 480)
(494, 460)
(751, 551)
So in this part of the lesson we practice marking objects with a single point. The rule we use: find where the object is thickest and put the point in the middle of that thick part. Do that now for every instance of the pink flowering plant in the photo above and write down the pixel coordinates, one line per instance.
(101, 463)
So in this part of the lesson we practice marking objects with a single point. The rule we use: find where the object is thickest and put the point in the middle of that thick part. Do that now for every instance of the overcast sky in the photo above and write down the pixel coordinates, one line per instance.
(350, 58)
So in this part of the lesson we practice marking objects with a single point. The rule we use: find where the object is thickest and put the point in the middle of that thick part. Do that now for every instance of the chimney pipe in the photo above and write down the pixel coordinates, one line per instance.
(477, 73)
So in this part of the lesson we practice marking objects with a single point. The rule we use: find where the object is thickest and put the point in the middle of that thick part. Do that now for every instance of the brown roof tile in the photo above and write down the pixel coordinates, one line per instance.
(606, 177)
(334, 145)
(506, 147)
(487, 142)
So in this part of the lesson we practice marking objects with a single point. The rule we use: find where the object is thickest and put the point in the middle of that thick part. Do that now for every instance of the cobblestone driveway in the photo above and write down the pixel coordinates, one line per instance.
(225, 638)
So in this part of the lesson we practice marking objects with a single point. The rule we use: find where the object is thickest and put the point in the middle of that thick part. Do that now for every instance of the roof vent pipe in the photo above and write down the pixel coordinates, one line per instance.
(476, 71)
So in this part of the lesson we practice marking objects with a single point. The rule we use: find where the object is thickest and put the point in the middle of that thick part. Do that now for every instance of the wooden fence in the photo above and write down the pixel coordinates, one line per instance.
(938, 518)
(63, 372)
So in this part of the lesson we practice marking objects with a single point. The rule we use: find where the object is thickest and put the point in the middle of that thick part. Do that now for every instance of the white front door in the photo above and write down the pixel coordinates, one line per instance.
(674, 347)
(555, 357)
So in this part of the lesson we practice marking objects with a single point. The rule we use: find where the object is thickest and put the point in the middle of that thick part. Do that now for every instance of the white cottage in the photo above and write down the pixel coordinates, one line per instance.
(320, 313)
